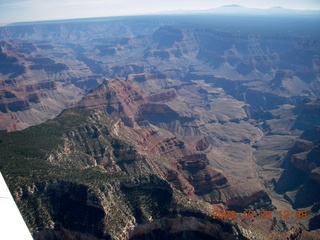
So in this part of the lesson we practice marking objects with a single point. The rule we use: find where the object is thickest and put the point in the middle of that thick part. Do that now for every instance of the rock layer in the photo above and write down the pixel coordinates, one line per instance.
(115, 191)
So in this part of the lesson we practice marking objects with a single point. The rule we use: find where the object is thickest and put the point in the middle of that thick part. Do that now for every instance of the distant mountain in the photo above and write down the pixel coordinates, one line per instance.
(235, 9)
(232, 6)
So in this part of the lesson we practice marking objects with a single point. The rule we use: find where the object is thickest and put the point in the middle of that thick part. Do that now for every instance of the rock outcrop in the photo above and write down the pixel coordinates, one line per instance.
(117, 98)
(145, 119)
(163, 96)
(42, 86)
(89, 183)
(301, 173)
(210, 109)
(308, 112)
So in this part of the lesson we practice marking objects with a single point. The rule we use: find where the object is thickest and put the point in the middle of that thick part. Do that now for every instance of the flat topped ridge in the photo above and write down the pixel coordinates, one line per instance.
(232, 5)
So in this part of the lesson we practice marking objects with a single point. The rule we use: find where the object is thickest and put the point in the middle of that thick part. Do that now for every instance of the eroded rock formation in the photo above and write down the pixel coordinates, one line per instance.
(87, 182)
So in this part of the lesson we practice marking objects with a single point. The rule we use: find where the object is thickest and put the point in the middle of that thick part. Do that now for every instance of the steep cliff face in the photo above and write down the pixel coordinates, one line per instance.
(122, 99)
(196, 156)
(22, 105)
(163, 96)
(174, 124)
(205, 106)
(300, 178)
(11, 103)
(264, 70)
(117, 98)
(9, 64)
(83, 181)
(43, 86)
(308, 112)
(299, 181)
(181, 228)
(18, 98)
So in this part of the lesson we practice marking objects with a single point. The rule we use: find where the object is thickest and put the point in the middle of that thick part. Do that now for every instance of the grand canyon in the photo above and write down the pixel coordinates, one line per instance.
(145, 127)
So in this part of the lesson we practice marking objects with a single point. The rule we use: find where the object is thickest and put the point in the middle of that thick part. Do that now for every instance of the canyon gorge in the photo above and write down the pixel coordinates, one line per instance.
(139, 127)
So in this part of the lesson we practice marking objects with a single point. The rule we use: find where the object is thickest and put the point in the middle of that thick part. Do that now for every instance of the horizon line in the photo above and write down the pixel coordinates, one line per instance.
(175, 12)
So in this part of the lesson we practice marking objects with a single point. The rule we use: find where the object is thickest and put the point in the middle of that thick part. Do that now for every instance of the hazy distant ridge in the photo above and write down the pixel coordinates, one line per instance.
(237, 9)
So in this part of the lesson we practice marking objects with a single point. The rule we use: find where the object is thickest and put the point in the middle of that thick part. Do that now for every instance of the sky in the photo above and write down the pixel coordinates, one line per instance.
(37, 10)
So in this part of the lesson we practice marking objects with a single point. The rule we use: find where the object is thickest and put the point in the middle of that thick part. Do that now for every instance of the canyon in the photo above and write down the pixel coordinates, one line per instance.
(118, 128)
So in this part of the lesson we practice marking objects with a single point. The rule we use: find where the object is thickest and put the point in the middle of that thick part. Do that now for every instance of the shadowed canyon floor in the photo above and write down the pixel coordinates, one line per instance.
(167, 119)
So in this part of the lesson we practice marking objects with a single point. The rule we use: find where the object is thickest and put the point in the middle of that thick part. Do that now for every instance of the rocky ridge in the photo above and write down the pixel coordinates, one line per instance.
(300, 180)
(221, 105)
(262, 70)
(35, 88)
(151, 121)
(114, 189)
